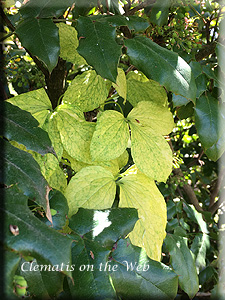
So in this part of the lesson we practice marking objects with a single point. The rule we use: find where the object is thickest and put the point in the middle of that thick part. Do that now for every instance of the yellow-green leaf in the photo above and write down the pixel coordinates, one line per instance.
(68, 44)
(48, 163)
(151, 153)
(150, 90)
(140, 192)
(153, 115)
(58, 180)
(123, 159)
(93, 187)
(50, 126)
(111, 165)
(121, 84)
(111, 136)
(137, 75)
(36, 102)
(75, 134)
(87, 91)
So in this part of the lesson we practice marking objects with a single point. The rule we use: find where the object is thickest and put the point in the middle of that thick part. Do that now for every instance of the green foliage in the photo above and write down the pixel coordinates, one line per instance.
(89, 174)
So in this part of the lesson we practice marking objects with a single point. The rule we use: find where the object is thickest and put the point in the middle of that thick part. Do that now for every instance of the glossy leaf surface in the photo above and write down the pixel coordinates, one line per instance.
(101, 53)
(21, 168)
(34, 238)
(183, 264)
(162, 65)
(152, 279)
(41, 38)
(20, 126)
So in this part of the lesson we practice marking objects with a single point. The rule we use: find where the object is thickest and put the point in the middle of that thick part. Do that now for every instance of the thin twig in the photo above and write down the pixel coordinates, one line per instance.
(139, 7)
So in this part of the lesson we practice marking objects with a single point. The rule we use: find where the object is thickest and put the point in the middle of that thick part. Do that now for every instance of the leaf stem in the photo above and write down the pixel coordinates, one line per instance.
(116, 104)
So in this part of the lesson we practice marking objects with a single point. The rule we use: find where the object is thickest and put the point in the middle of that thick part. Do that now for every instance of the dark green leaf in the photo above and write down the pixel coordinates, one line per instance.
(12, 261)
(199, 247)
(171, 209)
(185, 111)
(206, 120)
(207, 274)
(201, 83)
(195, 216)
(90, 282)
(104, 226)
(20, 168)
(153, 280)
(19, 125)
(159, 12)
(216, 151)
(57, 202)
(179, 100)
(162, 65)
(42, 284)
(98, 46)
(196, 68)
(34, 238)
(45, 8)
(41, 38)
(183, 264)
(132, 22)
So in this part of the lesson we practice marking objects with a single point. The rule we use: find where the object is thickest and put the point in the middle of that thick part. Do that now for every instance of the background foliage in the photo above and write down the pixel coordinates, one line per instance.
(111, 127)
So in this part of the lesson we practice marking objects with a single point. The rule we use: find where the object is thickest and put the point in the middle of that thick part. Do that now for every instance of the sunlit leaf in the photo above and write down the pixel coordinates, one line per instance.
(92, 187)
(111, 136)
(140, 192)
(87, 91)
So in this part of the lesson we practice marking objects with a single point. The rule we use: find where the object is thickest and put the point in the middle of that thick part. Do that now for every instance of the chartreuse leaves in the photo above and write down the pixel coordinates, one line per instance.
(137, 276)
(68, 44)
(183, 264)
(41, 38)
(162, 65)
(111, 136)
(148, 122)
(159, 120)
(101, 53)
(20, 126)
(157, 161)
(121, 84)
(29, 228)
(150, 90)
(140, 192)
(92, 187)
(75, 132)
(112, 165)
(36, 102)
(87, 91)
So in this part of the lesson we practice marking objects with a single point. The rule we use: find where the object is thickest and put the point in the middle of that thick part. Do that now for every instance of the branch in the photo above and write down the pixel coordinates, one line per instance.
(219, 183)
(205, 51)
(189, 191)
(139, 7)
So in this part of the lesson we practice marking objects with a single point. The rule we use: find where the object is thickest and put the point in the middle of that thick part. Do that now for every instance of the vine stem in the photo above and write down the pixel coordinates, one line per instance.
(113, 103)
